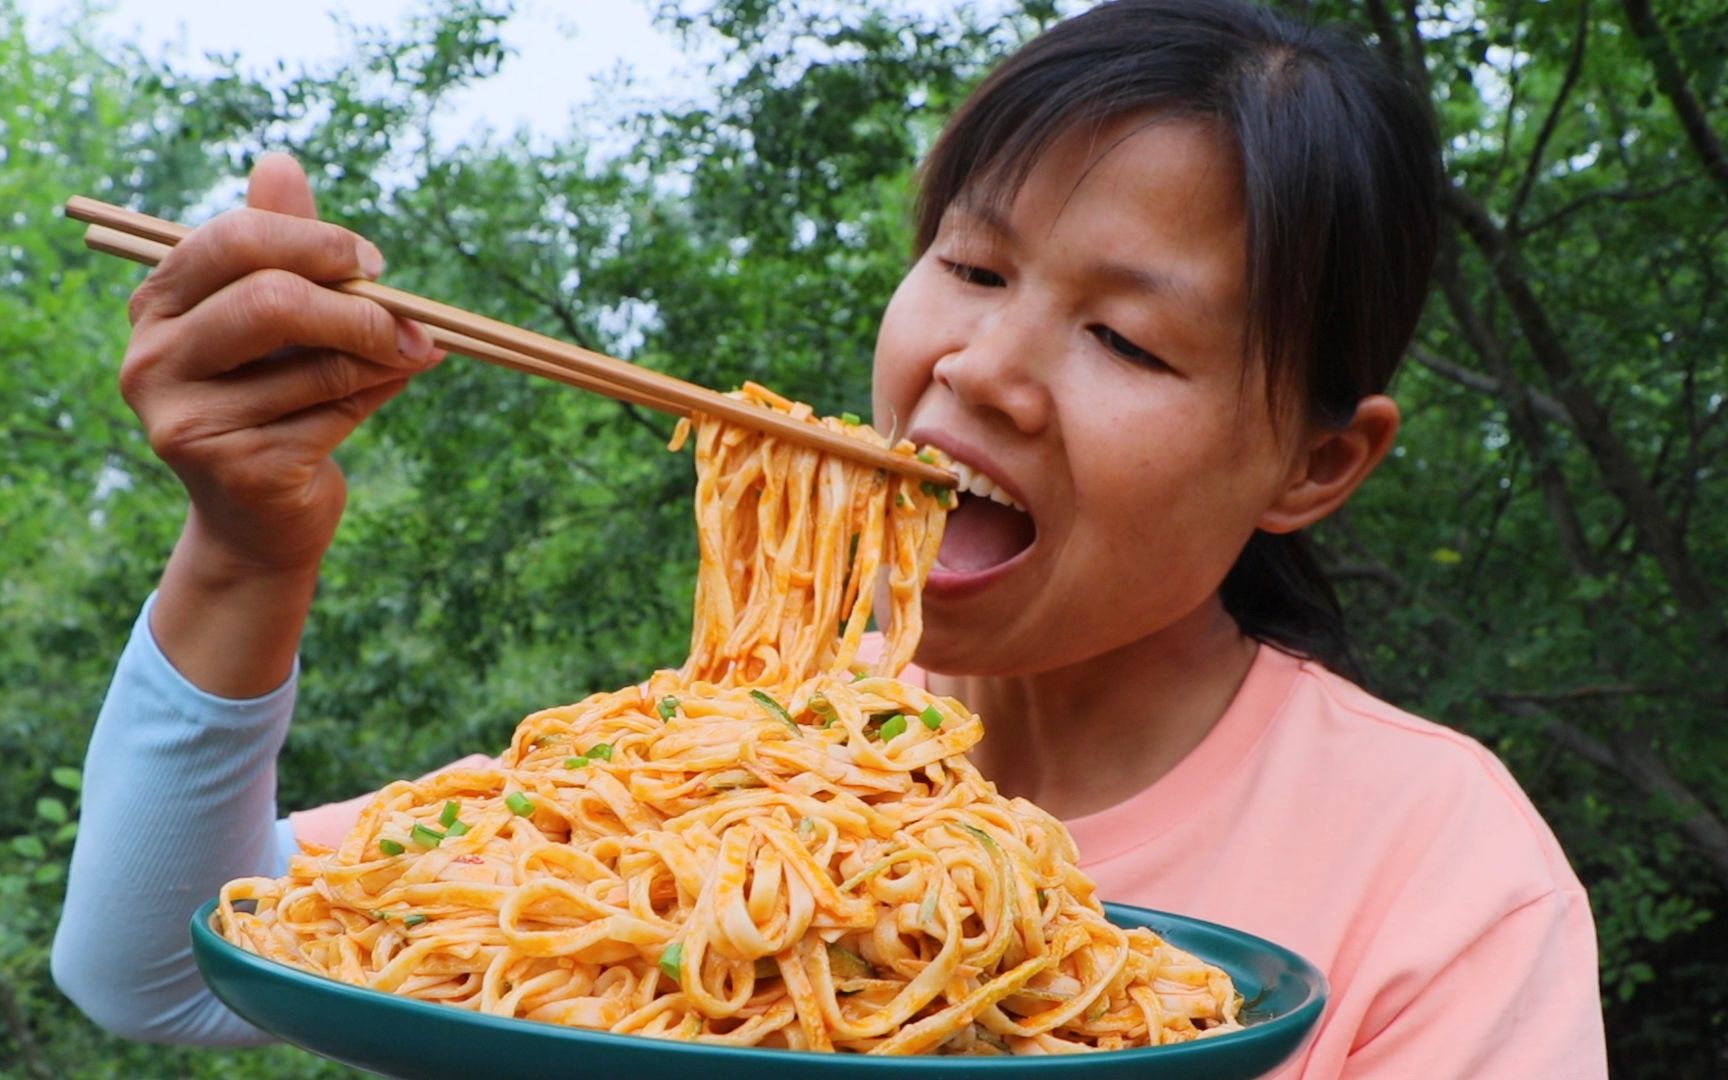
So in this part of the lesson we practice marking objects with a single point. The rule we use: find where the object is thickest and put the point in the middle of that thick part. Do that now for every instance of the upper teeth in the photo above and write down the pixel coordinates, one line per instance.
(975, 482)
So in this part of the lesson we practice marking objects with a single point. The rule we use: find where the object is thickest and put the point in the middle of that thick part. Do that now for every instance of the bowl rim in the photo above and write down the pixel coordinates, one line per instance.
(1303, 1017)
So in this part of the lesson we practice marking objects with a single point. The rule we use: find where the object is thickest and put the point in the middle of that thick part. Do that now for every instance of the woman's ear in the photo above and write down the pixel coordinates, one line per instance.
(1334, 462)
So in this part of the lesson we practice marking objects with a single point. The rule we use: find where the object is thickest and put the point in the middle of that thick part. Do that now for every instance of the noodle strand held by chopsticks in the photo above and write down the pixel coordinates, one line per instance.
(769, 846)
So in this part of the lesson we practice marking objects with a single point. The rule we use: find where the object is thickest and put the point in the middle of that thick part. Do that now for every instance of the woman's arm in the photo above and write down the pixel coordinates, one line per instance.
(246, 374)
(179, 797)
(1520, 1002)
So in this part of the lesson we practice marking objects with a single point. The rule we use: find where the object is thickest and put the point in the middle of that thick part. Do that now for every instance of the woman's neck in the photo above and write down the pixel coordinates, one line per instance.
(1082, 738)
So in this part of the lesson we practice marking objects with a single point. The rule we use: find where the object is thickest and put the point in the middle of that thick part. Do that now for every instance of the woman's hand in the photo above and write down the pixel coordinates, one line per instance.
(246, 376)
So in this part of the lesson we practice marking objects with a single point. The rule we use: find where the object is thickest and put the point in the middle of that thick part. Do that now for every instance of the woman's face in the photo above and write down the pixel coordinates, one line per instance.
(1082, 349)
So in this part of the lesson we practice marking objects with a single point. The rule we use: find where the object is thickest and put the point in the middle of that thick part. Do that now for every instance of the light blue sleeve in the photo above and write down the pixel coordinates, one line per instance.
(179, 797)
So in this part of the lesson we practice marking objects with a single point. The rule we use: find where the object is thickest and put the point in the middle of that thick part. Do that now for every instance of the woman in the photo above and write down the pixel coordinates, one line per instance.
(1169, 255)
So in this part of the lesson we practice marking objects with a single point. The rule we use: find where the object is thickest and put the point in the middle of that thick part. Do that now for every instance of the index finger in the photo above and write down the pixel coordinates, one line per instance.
(241, 242)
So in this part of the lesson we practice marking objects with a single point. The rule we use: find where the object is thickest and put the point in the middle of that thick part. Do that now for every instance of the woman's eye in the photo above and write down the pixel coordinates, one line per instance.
(1124, 348)
(975, 275)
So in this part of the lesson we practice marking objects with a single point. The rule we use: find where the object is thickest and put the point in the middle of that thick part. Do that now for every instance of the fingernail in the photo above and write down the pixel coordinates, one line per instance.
(371, 259)
(412, 340)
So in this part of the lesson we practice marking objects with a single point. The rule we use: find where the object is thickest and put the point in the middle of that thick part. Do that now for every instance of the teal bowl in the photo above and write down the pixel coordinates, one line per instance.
(401, 1037)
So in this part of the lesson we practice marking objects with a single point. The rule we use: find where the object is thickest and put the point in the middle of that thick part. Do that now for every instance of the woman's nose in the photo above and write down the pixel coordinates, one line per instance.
(1004, 366)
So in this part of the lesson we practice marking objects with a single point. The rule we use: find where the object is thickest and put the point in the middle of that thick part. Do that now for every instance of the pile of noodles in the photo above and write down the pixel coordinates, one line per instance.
(772, 846)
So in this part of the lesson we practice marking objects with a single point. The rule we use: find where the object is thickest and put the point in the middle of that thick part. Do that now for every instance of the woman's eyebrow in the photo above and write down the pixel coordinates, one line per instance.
(1153, 282)
(980, 212)
(975, 213)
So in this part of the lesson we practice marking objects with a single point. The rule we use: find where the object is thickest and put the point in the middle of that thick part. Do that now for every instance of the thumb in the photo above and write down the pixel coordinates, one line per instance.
(279, 183)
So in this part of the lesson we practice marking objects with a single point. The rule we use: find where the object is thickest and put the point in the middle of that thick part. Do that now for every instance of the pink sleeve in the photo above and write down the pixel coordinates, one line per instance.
(1520, 1002)
(329, 824)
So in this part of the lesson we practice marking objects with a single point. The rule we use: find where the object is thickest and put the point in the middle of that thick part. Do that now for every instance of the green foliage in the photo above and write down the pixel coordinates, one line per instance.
(509, 544)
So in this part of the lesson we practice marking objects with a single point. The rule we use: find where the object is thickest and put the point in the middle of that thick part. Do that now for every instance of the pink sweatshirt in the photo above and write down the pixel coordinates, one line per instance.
(1397, 855)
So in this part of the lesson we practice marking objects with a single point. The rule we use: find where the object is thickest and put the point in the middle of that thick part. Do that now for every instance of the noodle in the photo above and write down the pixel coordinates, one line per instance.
(770, 846)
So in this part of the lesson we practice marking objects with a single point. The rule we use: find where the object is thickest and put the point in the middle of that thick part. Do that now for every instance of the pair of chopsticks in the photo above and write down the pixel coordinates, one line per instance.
(145, 239)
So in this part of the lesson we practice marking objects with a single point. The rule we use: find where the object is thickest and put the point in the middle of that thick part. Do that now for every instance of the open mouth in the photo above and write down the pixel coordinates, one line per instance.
(986, 529)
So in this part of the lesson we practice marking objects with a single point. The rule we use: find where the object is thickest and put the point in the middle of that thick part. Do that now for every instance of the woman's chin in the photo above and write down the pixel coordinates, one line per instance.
(965, 632)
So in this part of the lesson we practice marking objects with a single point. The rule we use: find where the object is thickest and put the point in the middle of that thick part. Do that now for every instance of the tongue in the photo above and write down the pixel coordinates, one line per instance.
(981, 534)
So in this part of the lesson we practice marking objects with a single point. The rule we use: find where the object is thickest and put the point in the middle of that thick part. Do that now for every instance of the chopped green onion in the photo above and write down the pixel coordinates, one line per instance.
(932, 719)
(732, 780)
(575, 762)
(927, 457)
(519, 804)
(846, 964)
(390, 847)
(413, 920)
(891, 727)
(425, 837)
(942, 497)
(668, 706)
(806, 827)
(899, 498)
(672, 961)
(993, 1040)
(381, 916)
(980, 834)
(850, 418)
(448, 817)
(774, 709)
(457, 828)
(927, 487)
(927, 910)
(602, 751)
(821, 706)
(860, 676)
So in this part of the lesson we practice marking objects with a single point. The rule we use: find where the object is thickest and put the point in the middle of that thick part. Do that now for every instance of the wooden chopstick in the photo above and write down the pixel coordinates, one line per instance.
(116, 230)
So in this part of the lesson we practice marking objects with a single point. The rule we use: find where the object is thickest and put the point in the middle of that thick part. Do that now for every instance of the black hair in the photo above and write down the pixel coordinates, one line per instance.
(1341, 175)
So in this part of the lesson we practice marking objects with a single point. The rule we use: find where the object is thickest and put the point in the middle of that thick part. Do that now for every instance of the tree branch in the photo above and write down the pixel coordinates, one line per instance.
(1418, 69)
(1374, 572)
(1618, 195)
(1514, 76)
(1672, 80)
(1581, 693)
(1634, 760)
(1574, 66)
(1545, 406)
(559, 308)
(1656, 528)
(1521, 415)
(641, 420)
(1391, 39)
(35, 1067)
